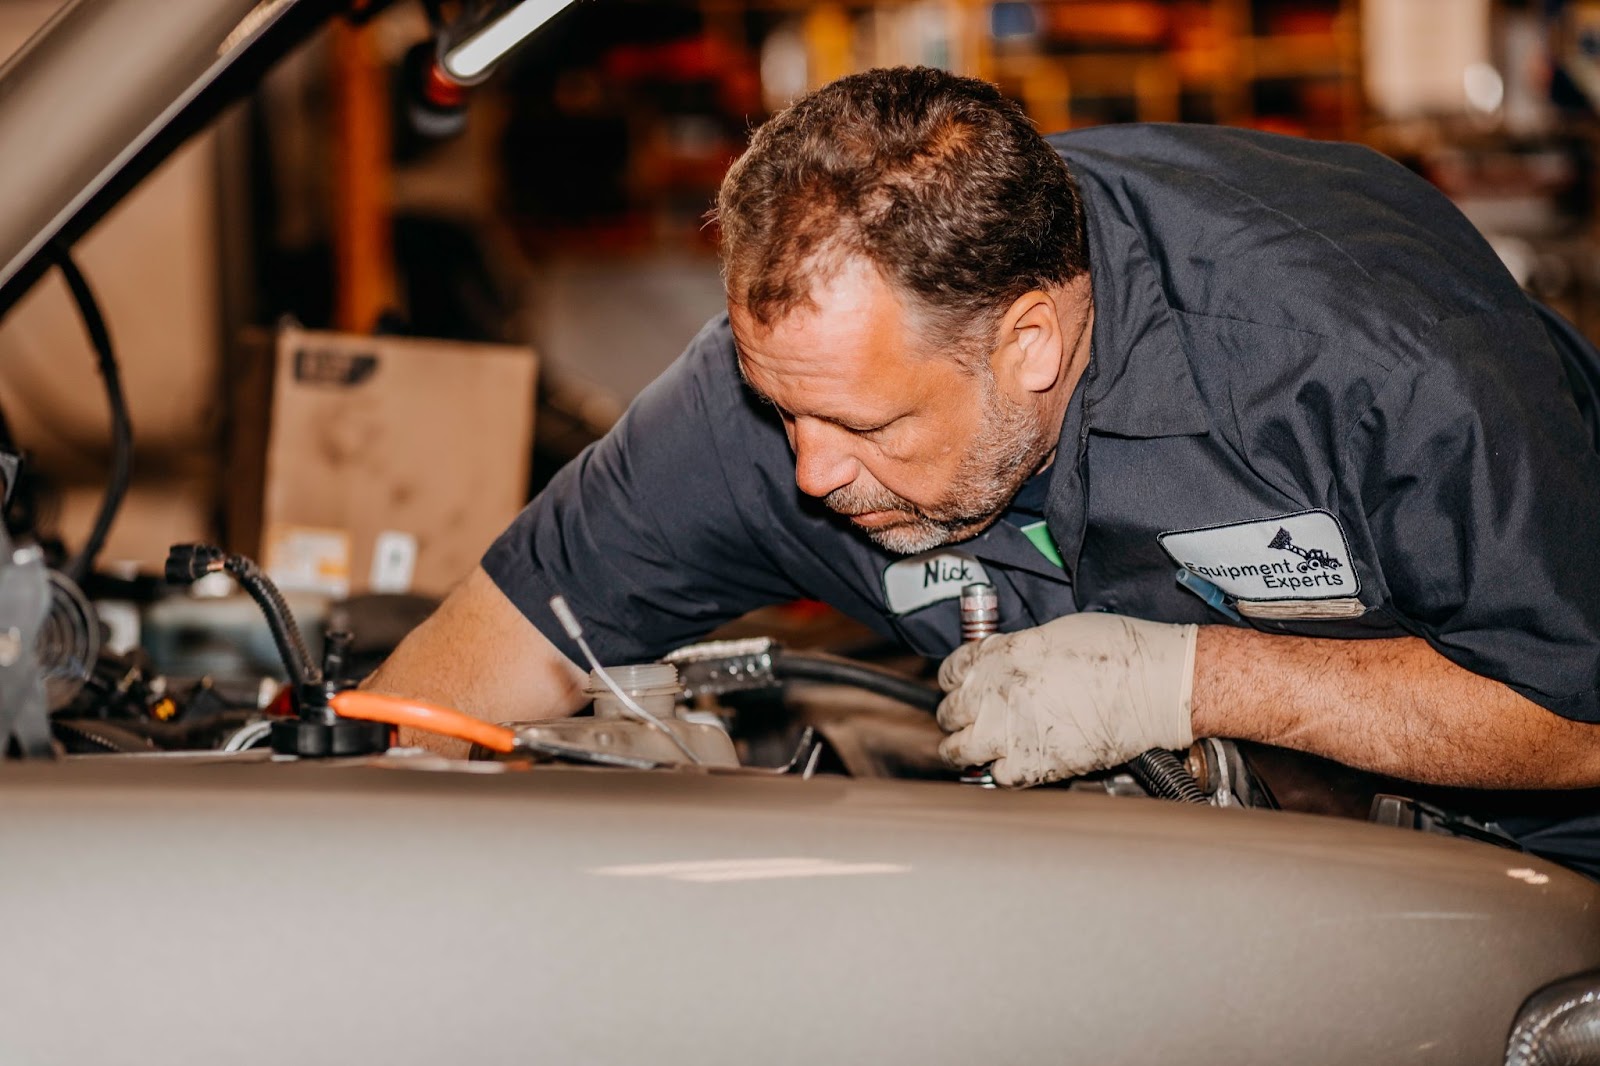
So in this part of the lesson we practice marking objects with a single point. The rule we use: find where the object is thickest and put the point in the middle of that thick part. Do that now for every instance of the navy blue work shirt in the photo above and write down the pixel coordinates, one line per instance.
(1314, 394)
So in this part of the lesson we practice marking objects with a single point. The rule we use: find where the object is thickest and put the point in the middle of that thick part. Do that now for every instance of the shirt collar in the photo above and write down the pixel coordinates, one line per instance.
(1139, 382)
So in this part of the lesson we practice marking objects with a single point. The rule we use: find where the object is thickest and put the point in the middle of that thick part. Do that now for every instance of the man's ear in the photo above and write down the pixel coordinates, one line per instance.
(1031, 350)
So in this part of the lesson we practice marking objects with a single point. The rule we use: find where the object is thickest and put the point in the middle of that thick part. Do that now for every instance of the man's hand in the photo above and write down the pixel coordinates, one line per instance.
(1081, 693)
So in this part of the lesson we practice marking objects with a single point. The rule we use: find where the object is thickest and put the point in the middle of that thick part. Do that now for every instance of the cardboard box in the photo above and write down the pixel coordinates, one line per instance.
(380, 464)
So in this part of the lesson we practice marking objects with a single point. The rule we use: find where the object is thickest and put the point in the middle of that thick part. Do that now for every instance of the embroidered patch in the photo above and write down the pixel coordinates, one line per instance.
(1301, 556)
(914, 583)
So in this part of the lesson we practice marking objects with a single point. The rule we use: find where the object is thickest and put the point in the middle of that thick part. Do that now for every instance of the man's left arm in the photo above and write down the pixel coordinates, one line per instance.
(1479, 486)
(1394, 707)
(1088, 691)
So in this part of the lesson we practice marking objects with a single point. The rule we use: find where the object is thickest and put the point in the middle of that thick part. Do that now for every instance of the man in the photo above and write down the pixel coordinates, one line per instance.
(1204, 405)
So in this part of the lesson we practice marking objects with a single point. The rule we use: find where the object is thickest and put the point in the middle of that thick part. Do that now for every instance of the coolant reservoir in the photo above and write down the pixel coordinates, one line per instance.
(653, 686)
(616, 735)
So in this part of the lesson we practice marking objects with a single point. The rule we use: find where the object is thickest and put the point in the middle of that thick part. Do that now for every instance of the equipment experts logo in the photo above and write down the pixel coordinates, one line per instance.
(1302, 556)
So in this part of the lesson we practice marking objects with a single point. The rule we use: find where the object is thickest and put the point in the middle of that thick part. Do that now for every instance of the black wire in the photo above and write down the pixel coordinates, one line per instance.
(280, 620)
(121, 428)
(827, 669)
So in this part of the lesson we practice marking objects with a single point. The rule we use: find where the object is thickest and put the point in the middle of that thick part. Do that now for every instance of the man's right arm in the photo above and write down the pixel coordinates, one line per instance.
(479, 654)
(642, 534)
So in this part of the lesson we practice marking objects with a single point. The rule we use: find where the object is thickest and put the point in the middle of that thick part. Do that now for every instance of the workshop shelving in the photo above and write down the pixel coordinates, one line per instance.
(1291, 65)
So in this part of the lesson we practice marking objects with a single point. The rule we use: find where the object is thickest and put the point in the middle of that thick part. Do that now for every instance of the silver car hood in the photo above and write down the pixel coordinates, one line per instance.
(305, 913)
(89, 96)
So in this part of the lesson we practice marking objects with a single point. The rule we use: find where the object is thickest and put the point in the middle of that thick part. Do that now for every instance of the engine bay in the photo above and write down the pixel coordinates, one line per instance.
(748, 706)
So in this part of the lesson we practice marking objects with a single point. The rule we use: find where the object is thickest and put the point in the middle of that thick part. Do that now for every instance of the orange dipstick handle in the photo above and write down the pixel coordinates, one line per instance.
(429, 717)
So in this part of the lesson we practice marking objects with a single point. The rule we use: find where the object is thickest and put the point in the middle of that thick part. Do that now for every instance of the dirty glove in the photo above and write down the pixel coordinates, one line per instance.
(1081, 693)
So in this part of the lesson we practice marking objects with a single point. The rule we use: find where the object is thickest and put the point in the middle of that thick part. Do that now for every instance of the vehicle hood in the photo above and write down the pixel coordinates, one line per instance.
(603, 916)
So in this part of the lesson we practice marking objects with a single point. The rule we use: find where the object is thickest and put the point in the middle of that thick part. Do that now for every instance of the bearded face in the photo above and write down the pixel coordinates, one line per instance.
(918, 441)
(1009, 444)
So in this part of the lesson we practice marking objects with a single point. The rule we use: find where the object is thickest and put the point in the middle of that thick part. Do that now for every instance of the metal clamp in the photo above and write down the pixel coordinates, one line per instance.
(718, 667)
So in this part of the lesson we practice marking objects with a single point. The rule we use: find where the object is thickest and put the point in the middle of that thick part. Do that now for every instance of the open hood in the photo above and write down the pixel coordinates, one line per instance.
(106, 91)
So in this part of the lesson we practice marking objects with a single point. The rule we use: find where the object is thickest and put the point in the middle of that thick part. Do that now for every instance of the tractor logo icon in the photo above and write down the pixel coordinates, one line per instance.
(1311, 558)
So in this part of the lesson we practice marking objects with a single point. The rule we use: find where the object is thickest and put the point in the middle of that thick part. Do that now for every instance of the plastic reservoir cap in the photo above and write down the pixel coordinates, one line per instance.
(641, 679)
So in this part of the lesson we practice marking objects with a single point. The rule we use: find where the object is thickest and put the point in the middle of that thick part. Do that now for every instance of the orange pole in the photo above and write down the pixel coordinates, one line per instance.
(363, 254)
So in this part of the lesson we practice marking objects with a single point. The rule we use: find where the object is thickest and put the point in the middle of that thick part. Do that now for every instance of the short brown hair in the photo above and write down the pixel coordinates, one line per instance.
(938, 180)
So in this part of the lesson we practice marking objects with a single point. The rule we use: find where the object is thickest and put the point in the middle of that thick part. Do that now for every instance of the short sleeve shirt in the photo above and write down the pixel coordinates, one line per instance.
(1316, 404)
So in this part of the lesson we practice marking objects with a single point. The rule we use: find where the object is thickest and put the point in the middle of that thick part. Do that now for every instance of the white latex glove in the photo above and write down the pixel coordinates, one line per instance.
(1077, 694)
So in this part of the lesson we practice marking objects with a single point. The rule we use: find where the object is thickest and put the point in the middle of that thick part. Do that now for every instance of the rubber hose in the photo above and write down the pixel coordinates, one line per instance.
(829, 670)
(1164, 776)
(285, 633)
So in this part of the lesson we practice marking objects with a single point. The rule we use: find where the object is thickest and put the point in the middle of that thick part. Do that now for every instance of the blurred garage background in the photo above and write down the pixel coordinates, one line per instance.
(563, 209)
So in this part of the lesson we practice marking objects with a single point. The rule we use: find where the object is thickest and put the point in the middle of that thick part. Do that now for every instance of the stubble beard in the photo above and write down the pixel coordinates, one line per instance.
(1010, 444)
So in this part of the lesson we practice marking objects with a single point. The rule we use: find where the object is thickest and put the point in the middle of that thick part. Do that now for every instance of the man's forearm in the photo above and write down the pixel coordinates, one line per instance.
(1395, 707)
(478, 654)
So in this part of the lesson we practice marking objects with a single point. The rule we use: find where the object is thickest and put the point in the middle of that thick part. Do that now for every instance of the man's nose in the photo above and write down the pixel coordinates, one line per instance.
(823, 458)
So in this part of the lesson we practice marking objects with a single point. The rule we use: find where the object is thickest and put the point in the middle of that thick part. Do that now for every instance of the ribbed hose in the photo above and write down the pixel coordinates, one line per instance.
(285, 633)
(100, 736)
(827, 669)
(1163, 775)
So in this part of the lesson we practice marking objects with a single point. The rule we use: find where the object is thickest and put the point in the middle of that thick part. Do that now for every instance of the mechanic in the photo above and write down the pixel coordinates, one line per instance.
(1204, 404)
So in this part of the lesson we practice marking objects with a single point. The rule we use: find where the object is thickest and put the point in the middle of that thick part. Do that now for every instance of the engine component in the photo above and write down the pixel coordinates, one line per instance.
(69, 642)
(569, 622)
(980, 619)
(980, 611)
(1222, 772)
(653, 686)
(254, 734)
(717, 667)
(629, 740)
(24, 602)
(1164, 776)
(720, 667)
(1403, 812)
(91, 736)
(318, 731)
(1558, 1025)
(187, 563)
(832, 670)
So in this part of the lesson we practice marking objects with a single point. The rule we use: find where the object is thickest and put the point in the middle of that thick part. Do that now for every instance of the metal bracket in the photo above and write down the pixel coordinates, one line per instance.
(1403, 812)
(24, 602)
(718, 667)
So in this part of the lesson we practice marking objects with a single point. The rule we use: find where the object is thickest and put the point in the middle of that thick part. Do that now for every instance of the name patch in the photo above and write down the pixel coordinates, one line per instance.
(914, 583)
(1301, 556)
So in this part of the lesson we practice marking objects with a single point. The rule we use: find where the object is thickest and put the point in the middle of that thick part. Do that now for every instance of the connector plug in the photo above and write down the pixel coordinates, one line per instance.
(188, 563)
